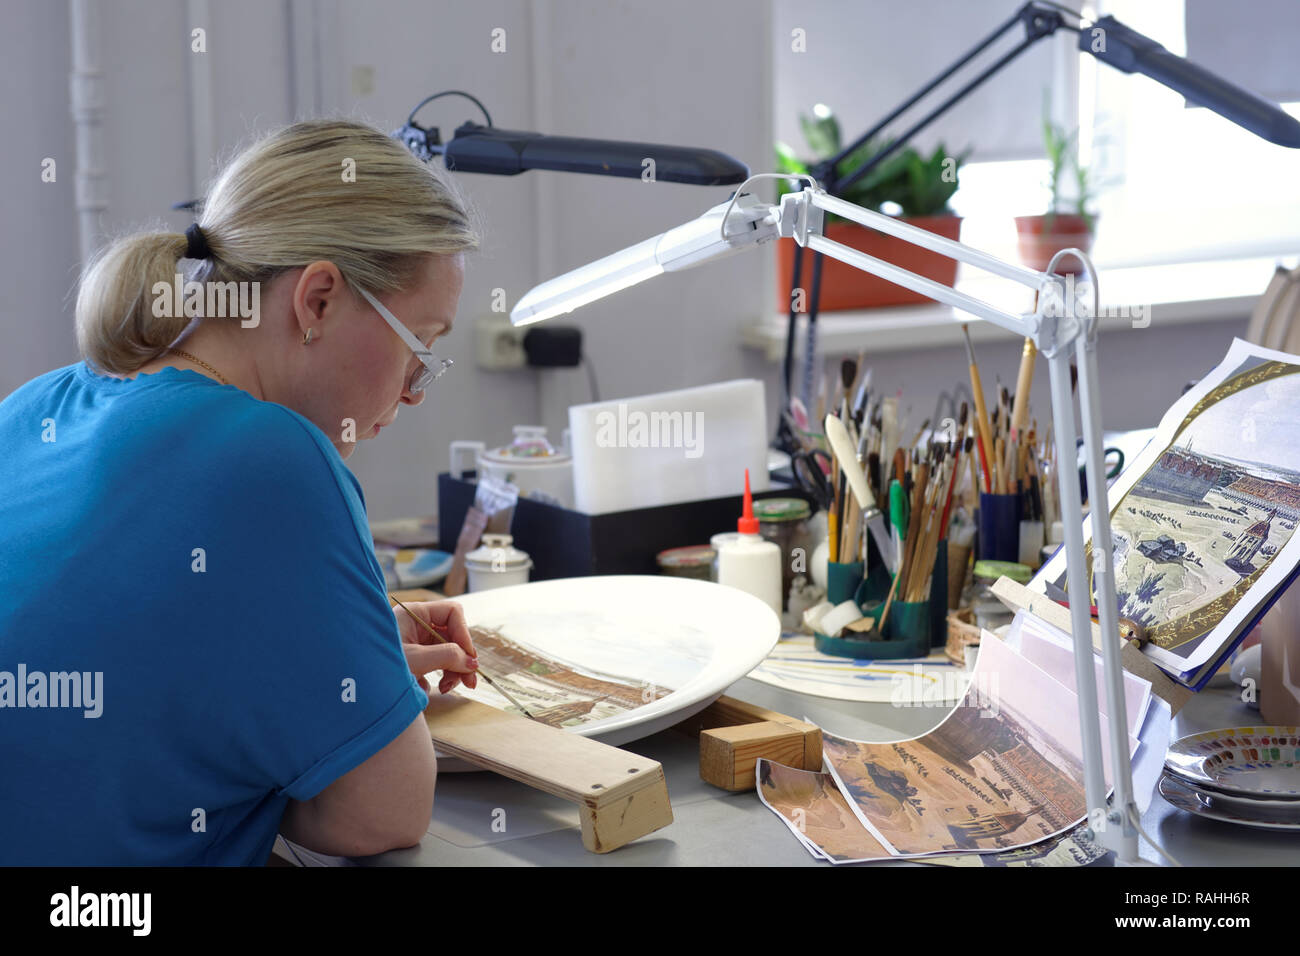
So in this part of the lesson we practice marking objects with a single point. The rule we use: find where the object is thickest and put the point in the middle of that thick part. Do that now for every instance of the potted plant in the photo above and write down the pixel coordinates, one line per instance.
(1068, 223)
(907, 184)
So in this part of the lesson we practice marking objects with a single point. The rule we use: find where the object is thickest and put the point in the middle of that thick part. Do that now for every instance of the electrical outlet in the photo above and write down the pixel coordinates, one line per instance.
(498, 345)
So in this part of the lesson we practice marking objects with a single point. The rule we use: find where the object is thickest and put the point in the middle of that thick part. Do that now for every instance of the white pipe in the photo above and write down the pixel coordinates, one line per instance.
(86, 92)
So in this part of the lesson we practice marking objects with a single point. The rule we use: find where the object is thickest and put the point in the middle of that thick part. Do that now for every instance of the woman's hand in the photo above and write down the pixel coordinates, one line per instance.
(457, 659)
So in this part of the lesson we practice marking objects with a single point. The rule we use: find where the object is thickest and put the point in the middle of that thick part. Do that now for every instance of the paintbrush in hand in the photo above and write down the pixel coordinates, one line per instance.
(442, 640)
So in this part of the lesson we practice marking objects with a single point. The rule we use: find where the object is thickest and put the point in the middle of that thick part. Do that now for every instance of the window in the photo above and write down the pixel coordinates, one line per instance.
(1177, 184)
(1185, 184)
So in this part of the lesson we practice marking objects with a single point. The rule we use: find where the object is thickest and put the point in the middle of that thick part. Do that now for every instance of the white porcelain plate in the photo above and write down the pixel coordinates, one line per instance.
(1263, 814)
(679, 642)
(1249, 761)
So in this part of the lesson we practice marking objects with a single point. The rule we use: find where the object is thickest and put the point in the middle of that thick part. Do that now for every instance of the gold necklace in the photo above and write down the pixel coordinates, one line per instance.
(199, 361)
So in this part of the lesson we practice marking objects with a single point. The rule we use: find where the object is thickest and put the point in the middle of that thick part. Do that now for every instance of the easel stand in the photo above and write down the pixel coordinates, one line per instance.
(1018, 597)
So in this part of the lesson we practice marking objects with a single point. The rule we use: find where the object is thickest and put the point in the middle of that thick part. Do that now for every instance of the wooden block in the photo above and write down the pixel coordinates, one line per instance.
(730, 712)
(621, 796)
(1016, 596)
(615, 822)
(728, 754)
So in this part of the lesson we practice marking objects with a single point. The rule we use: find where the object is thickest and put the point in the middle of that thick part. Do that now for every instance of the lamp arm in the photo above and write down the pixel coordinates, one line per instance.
(1038, 20)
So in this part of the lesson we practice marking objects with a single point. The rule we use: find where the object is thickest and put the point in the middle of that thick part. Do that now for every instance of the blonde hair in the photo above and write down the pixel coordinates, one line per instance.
(285, 201)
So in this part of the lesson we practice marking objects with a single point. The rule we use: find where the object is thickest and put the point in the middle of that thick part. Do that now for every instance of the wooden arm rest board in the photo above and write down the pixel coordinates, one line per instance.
(1016, 596)
(734, 734)
(620, 796)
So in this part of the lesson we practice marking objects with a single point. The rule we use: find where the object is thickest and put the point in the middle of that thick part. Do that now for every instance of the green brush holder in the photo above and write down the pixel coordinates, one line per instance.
(842, 580)
(908, 633)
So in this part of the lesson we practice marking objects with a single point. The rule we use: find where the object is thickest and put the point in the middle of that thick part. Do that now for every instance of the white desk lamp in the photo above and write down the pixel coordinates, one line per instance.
(1059, 327)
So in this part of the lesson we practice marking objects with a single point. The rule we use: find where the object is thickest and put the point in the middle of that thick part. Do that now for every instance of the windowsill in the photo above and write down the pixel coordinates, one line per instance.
(1178, 294)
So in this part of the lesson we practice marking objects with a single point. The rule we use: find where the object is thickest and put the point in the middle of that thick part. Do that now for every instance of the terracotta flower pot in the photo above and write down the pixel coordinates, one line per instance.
(846, 287)
(1038, 243)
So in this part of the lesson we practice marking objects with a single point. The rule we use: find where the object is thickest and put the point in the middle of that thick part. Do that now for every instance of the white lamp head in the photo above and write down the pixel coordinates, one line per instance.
(701, 240)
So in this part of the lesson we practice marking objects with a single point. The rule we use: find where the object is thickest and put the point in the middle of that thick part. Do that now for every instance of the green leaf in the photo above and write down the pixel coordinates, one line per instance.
(787, 162)
(920, 185)
(822, 134)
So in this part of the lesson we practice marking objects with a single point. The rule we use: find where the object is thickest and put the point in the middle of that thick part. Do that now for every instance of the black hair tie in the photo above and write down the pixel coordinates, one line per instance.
(198, 243)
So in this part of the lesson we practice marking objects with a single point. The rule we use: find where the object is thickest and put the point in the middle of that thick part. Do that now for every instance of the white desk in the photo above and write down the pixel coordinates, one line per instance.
(714, 828)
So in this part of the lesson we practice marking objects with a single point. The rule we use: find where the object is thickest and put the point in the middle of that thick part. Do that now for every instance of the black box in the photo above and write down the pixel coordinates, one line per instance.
(567, 544)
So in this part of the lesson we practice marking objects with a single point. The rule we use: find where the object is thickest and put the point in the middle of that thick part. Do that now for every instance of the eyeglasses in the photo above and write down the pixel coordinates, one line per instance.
(430, 365)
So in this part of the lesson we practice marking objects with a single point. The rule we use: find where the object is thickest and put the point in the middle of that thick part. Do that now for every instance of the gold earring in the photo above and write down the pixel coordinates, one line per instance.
(306, 339)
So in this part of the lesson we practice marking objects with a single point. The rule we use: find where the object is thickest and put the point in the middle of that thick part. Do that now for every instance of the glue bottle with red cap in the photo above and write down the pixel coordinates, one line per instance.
(749, 561)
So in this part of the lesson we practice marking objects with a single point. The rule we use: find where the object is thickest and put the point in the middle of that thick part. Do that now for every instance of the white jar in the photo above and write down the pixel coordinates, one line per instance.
(497, 563)
(530, 463)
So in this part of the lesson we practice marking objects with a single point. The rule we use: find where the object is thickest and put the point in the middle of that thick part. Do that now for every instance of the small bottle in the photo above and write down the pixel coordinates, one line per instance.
(750, 562)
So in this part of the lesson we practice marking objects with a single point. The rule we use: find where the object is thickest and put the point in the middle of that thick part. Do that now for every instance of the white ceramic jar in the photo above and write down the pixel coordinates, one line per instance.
(530, 463)
(497, 563)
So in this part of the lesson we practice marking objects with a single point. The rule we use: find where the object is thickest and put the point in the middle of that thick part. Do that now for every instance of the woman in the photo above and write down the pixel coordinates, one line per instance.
(196, 646)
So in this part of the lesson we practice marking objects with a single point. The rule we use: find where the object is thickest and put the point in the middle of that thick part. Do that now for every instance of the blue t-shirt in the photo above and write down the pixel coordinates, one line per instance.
(202, 560)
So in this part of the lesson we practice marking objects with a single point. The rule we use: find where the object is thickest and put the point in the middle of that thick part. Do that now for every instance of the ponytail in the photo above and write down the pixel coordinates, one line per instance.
(117, 330)
(331, 190)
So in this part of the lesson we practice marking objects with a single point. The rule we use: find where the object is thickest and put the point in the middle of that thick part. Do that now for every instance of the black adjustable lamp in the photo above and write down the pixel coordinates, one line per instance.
(484, 148)
(1106, 39)
(478, 148)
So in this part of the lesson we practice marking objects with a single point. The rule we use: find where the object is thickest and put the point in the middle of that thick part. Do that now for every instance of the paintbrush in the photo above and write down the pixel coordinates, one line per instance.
(442, 640)
(982, 426)
(920, 432)
(1009, 452)
(863, 392)
(889, 427)
(1024, 381)
(999, 479)
(927, 549)
(917, 519)
(848, 372)
(962, 449)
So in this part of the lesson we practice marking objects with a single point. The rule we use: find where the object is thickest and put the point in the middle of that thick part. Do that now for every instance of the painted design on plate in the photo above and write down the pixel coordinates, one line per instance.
(555, 692)
(1249, 760)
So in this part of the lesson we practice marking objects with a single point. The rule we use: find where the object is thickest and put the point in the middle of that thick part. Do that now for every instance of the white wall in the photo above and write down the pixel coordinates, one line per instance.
(38, 241)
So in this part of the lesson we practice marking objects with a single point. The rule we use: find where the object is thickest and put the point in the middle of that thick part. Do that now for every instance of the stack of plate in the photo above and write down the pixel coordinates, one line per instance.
(1244, 775)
